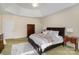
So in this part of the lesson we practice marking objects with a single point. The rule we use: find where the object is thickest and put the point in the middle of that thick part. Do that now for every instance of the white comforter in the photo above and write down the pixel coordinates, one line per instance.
(44, 41)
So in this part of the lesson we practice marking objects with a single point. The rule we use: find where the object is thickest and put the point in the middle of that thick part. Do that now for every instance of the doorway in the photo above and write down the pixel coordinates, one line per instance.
(30, 29)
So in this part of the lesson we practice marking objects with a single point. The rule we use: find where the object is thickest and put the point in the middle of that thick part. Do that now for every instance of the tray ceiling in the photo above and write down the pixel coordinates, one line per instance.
(26, 9)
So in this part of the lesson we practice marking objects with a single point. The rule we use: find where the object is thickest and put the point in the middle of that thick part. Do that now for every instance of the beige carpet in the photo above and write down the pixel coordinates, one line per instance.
(63, 51)
(56, 51)
(10, 42)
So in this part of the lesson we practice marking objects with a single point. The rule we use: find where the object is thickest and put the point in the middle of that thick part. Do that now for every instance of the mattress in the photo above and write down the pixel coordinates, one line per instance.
(41, 41)
(43, 46)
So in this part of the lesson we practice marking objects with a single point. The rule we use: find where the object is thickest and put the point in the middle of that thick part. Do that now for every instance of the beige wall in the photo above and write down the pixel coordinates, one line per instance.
(15, 26)
(1, 21)
(66, 18)
(0, 24)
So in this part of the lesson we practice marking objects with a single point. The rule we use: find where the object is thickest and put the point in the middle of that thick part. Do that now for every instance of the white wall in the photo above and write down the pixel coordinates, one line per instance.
(15, 26)
(65, 18)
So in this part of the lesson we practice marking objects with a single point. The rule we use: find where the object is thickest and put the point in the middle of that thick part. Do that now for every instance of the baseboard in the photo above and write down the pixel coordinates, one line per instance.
(16, 38)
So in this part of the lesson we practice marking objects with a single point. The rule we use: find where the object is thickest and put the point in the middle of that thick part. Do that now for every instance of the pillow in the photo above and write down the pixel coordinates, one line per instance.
(55, 33)
(46, 32)
(50, 32)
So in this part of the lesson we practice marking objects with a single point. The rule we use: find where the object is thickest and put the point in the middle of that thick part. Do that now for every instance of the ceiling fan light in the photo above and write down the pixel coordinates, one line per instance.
(35, 4)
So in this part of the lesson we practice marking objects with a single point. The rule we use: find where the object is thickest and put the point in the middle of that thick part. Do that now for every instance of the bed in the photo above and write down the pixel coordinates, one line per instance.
(37, 46)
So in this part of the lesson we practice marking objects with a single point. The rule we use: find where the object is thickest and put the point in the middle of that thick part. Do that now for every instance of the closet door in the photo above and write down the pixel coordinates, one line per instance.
(30, 29)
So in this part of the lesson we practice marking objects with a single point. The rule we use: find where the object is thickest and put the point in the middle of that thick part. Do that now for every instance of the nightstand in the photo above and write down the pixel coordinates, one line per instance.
(1, 43)
(73, 40)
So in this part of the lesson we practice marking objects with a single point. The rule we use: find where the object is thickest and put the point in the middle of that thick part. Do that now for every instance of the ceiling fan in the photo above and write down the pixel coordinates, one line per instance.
(35, 5)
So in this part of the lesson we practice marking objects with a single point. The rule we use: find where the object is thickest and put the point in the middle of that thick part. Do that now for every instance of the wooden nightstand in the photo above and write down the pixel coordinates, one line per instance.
(1, 43)
(73, 40)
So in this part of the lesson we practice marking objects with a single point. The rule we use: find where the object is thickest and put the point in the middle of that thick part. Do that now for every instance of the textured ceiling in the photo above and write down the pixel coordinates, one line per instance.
(26, 9)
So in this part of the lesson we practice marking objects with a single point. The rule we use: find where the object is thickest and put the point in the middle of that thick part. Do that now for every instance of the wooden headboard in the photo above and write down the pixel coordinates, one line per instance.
(60, 29)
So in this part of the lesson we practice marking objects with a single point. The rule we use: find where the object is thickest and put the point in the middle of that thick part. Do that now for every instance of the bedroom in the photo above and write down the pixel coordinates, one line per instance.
(15, 18)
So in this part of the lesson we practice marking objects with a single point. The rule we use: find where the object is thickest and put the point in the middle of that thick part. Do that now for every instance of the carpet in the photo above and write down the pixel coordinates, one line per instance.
(9, 50)
(23, 49)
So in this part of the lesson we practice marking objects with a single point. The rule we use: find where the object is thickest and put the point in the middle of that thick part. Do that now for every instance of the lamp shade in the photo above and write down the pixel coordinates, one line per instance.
(69, 30)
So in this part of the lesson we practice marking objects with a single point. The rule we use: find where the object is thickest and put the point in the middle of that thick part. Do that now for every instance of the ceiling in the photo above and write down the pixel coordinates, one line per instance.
(26, 9)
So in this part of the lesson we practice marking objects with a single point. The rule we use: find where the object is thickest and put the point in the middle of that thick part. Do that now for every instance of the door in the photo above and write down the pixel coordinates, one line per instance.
(30, 29)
